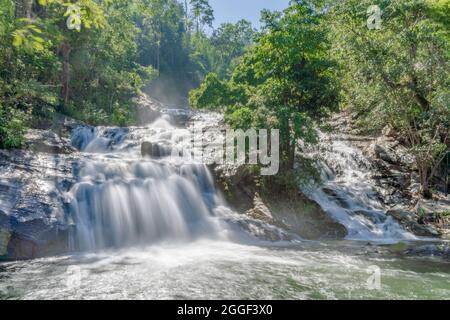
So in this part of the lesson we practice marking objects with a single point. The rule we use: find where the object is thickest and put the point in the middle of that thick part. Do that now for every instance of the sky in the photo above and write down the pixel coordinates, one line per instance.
(235, 10)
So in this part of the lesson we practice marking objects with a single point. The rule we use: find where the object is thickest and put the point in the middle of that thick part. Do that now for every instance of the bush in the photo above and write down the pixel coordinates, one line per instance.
(12, 128)
(121, 116)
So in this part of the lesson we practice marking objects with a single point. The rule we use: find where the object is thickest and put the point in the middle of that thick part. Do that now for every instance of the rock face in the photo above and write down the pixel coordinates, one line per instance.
(395, 176)
(149, 109)
(5, 236)
(409, 221)
(294, 213)
(434, 250)
(33, 204)
(154, 150)
(260, 210)
(47, 141)
(435, 213)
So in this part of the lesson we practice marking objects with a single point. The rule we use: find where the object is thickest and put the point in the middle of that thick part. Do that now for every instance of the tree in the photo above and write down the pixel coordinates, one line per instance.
(398, 75)
(283, 81)
(23, 9)
(230, 42)
(81, 56)
(203, 14)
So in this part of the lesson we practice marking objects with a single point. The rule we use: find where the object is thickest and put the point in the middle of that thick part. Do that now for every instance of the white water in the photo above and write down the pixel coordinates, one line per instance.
(348, 193)
(226, 270)
(122, 199)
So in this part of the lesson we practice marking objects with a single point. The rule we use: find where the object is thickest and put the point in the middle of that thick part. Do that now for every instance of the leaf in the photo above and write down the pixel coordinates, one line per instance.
(38, 39)
(38, 46)
(17, 39)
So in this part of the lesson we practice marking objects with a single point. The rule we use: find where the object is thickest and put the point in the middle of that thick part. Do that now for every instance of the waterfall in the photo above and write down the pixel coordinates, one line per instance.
(348, 192)
(121, 203)
(123, 199)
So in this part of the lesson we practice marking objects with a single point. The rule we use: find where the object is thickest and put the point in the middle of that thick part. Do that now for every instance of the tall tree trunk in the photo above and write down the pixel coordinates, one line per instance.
(291, 159)
(65, 79)
(158, 60)
(186, 21)
(23, 8)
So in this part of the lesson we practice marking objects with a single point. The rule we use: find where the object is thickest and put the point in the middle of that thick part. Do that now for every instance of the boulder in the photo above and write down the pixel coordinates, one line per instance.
(409, 221)
(389, 132)
(33, 203)
(339, 198)
(292, 212)
(47, 141)
(384, 154)
(431, 209)
(5, 236)
(260, 210)
(148, 109)
(154, 150)
(432, 250)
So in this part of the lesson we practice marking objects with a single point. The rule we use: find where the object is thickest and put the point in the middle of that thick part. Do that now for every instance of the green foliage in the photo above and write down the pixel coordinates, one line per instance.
(229, 43)
(215, 94)
(89, 58)
(398, 75)
(86, 72)
(12, 127)
(202, 13)
(283, 81)
(121, 117)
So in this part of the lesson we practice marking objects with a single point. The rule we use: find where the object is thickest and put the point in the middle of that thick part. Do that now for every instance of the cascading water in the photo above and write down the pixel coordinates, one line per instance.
(122, 199)
(194, 247)
(348, 193)
(122, 203)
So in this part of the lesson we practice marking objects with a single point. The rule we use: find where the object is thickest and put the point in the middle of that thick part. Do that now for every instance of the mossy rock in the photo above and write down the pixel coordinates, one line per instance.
(5, 236)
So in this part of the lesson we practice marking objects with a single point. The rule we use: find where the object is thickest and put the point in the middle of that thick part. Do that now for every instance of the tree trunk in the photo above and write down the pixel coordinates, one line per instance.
(424, 182)
(23, 9)
(291, 159)
(188, 28)
(65, 79)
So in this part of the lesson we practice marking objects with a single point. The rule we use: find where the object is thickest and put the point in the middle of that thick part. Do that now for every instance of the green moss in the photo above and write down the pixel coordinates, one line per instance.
(5, 236)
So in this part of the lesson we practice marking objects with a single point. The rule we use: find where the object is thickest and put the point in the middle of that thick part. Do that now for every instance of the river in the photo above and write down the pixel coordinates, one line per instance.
(158, 229)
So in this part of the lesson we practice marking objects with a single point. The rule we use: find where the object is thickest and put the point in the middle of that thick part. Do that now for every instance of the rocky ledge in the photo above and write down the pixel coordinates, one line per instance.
(34, 218)
(292, 212)
(396, 178)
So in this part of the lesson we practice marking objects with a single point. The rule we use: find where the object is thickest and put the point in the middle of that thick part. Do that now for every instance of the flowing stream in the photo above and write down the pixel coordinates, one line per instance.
(157, 228)
(348, 192)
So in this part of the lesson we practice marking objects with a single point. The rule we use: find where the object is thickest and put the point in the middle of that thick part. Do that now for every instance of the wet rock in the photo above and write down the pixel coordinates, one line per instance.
(292, 212)
(39, 240)
(178, 116)
(82, 136)
(5, 236)
(33, 203)
(409, 221)
(48, 142)
(375, 218)
(99, 139)
(432, 208)
(393, 173)
(260, 210)
(155, 150)
(149, 109)
(384, 154)
(339, 198)
(431, 250)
